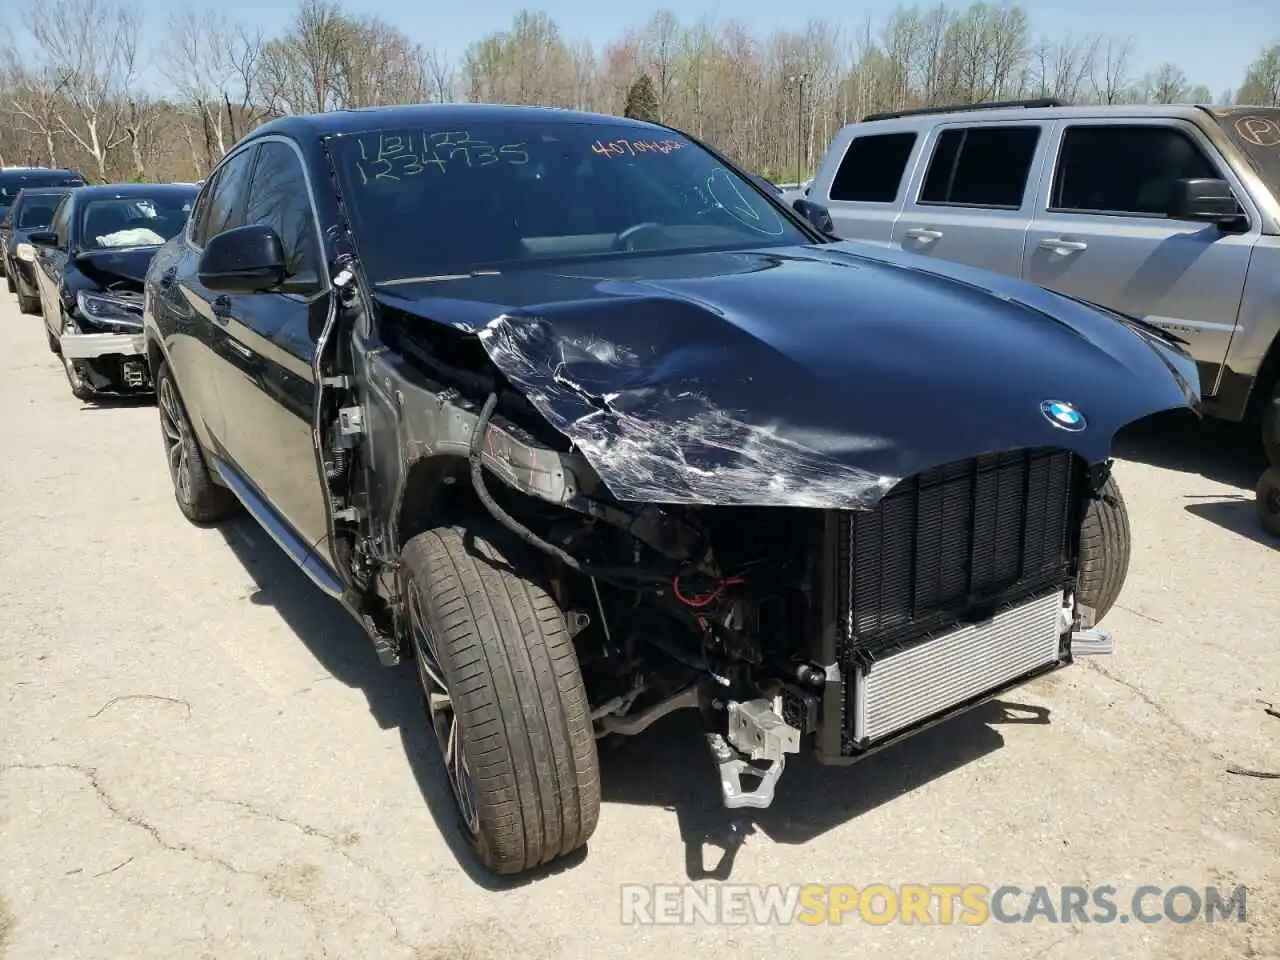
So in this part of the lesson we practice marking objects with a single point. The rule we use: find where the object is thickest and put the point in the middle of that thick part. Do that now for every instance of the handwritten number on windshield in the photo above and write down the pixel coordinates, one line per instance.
(632, 148)
(389, 156)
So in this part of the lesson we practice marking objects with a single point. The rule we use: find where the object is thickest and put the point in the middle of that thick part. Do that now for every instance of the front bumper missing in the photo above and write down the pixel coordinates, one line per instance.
(90, 346)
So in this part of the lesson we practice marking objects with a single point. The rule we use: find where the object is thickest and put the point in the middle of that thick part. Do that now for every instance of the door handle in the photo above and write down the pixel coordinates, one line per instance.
(927, 234)
(240, 348)
(1063, 245)
(166, 278)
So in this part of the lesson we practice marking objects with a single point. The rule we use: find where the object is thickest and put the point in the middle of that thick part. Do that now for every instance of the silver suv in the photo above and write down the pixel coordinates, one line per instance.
(1168, 213)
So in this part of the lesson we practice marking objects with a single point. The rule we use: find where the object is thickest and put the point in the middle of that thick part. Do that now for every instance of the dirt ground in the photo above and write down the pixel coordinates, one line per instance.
(202, 758)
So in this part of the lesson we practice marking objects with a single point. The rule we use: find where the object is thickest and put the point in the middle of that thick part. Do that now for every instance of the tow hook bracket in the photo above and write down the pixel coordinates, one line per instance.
(757, 731)
(1092, 642)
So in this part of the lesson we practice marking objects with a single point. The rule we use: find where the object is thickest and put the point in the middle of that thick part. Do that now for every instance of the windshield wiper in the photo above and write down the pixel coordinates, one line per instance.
(400, 281)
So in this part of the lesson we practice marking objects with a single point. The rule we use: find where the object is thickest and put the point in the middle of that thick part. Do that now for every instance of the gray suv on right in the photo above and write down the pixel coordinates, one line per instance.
(1166, 213)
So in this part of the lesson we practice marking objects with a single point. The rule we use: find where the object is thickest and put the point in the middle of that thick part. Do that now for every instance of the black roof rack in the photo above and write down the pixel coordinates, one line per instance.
(958, 107)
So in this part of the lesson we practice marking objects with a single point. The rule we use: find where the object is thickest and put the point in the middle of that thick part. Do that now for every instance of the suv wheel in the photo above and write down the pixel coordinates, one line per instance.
(1268, 494)
(1104, 551)
(200, 499)
(505, 698)
(1271, 427)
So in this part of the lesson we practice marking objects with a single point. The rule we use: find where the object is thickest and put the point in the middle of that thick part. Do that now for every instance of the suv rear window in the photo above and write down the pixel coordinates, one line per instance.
(981, 166)
(872, 168)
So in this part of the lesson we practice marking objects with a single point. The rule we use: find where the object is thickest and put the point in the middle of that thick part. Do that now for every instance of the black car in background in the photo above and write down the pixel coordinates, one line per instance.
(32, 211)
(15, 179)
(90, 266)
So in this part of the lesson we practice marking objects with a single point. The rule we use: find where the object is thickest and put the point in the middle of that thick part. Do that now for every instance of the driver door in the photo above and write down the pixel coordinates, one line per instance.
(268, 397)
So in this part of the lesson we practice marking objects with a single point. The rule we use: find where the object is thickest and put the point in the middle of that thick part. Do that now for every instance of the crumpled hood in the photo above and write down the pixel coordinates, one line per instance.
(804, 376)
(108, 266)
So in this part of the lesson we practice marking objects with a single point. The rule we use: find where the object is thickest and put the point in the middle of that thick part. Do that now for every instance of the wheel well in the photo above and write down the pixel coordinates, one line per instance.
(155, 357)
(1264, 382)
(431, 483)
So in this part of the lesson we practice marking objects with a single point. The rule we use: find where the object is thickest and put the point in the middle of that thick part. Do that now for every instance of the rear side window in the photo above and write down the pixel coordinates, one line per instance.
(1124, 171)
(872, 168)
(981, 166)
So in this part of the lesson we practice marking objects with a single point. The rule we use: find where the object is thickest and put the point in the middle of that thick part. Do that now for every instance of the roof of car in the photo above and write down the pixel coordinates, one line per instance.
(44, 191)
(339, 122)
(1001, 114)
(108, 191)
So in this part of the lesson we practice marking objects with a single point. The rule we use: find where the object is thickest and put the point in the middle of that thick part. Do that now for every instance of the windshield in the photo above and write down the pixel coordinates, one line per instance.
(11, 181)
(1256, 132)
(36, 211)
(135, 221)
(433, 201)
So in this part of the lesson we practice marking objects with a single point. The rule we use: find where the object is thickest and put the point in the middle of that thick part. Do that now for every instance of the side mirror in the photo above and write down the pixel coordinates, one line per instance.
(248, 259)
(816, 214)
(42, 238)
(1204, 200)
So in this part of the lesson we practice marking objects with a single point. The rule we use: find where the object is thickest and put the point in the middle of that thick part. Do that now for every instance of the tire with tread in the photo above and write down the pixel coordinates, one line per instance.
(13, 287)
(209, 502)
(1271, 427)
(521, 709)
(1105, 547)
(1268, 501)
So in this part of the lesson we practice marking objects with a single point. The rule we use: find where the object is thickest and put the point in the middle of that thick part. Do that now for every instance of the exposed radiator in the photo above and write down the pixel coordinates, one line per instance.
(932, 677)
(953, 545)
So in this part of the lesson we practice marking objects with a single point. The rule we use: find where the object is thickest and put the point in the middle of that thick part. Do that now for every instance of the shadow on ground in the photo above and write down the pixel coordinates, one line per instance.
(1227, 453)
(670, 766)
(667, 766)
(393, 694)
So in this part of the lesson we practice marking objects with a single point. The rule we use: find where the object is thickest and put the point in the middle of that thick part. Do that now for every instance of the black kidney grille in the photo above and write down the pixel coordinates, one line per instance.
(952, 543)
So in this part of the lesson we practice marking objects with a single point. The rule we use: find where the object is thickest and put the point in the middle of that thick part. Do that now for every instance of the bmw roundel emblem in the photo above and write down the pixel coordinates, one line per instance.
(1062, 415)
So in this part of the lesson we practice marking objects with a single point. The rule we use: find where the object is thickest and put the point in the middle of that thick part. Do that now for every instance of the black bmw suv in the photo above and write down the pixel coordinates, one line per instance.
(592, 426)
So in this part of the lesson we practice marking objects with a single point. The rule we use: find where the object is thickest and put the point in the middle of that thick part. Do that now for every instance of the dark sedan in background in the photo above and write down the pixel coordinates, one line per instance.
(32, 211)
(13, 180)
(90, 265)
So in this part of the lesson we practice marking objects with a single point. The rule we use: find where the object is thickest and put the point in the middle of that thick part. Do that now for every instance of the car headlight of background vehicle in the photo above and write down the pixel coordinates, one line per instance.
(25, 251)
(108, 312)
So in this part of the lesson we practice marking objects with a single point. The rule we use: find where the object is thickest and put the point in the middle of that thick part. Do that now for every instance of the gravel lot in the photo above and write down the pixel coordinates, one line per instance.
(202, 758)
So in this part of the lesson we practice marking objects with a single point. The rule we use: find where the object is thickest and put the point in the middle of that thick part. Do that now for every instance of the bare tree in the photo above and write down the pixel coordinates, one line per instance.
(1166, 84)
(1110, 75)
(92, 47)
(440, 74)
(215, 69)
(1261, 87)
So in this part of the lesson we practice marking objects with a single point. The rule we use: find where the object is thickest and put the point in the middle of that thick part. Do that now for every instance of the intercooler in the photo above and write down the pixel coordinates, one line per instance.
(952, 587)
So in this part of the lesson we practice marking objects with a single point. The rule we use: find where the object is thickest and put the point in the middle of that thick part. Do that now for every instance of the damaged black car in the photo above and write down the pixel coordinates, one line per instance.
(571, 413)
(89, 265)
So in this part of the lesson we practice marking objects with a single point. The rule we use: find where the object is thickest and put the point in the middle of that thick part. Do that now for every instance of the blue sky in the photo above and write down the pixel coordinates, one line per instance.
(1213, 41)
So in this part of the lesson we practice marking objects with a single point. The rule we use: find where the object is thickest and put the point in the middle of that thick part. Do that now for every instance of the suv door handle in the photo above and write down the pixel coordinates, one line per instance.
(928, 234)
(1062, 245)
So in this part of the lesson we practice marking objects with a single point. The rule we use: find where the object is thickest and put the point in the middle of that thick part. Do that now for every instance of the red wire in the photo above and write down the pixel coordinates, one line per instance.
(706, 600)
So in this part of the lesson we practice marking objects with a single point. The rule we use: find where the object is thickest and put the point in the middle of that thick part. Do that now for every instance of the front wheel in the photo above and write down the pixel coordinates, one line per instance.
(505, 697)
(1105, 547)
(1268, 501)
